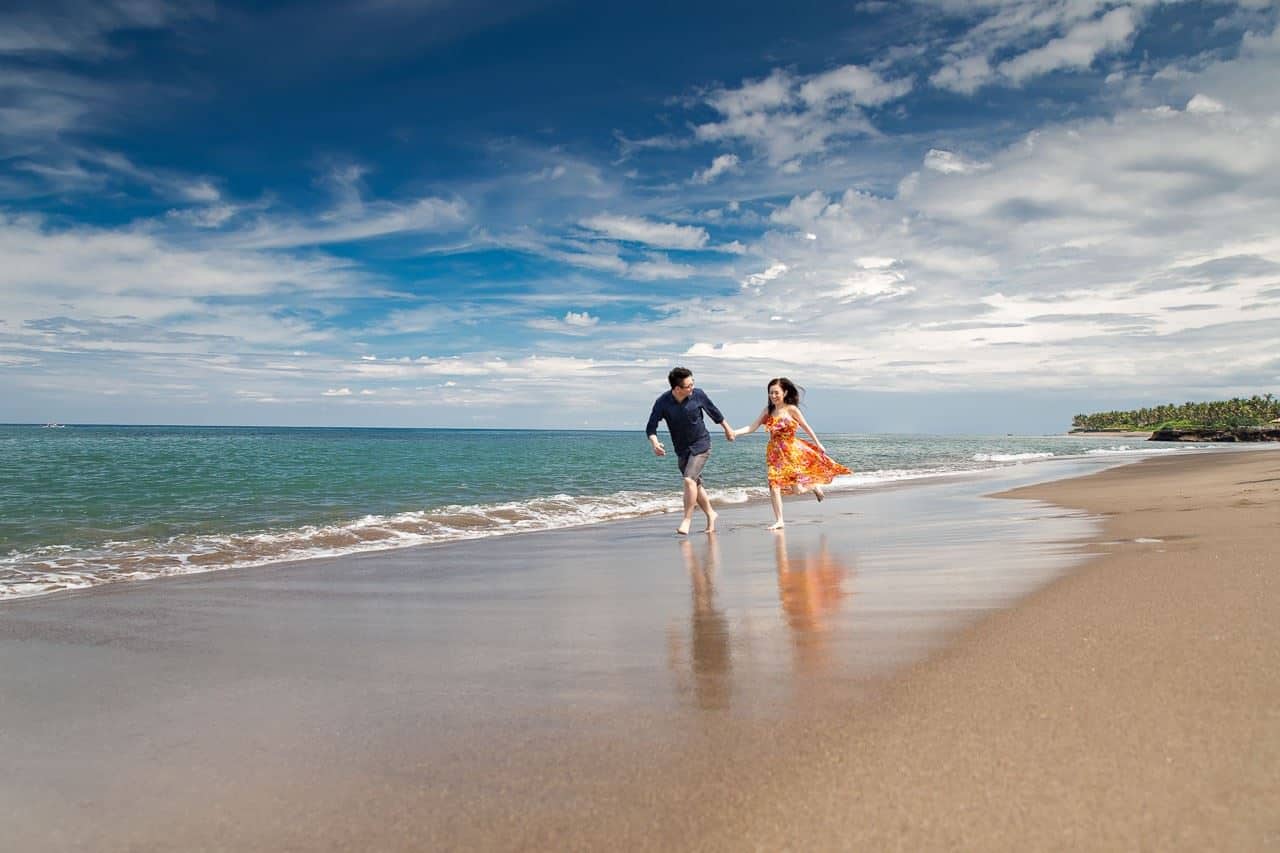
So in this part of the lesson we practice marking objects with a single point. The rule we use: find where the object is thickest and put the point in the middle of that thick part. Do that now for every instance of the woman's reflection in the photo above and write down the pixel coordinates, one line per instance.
(709, 657)
(811, 589)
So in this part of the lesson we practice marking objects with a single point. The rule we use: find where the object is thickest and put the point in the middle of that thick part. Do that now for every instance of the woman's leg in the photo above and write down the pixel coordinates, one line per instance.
(775, 497)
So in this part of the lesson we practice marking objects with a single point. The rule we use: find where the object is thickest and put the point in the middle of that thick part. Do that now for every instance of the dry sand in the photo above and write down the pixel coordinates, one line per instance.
(1133, 703)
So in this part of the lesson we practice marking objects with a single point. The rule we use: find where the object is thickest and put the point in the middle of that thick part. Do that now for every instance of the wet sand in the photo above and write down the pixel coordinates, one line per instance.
(906, 669)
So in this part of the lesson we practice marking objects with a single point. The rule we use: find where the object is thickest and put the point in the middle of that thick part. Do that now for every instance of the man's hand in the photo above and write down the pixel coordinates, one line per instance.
(728, 431)
(658, 449)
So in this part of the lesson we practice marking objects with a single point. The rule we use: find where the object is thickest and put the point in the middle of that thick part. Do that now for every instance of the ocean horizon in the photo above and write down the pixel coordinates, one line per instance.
(86, 505)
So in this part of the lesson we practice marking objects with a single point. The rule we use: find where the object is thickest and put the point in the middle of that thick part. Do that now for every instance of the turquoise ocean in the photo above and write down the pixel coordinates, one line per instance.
(82, 506)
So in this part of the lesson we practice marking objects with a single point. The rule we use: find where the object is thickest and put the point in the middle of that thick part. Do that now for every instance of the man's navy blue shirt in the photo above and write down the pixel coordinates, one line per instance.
(684, 420)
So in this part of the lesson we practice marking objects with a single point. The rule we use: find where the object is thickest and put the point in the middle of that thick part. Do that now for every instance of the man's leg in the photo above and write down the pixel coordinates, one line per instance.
(693, 471)
(704, 501)
(690, 501)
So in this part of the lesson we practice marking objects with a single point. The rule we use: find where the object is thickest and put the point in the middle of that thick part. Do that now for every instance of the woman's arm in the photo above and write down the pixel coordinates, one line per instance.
(755, 425)
(795, 413)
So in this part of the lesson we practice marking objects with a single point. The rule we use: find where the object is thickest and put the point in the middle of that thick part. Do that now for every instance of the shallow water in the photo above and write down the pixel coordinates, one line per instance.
(87, 505)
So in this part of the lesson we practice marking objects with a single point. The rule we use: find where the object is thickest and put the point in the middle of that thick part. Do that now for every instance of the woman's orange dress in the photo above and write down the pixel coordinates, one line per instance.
(793, 462)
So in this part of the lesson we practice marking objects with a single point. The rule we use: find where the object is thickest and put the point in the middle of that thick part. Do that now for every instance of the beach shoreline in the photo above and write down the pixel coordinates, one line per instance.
(278, 496)
(619, 686)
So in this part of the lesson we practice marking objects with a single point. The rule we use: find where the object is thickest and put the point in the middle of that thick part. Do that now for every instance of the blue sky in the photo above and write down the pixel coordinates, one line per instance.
(937, 216)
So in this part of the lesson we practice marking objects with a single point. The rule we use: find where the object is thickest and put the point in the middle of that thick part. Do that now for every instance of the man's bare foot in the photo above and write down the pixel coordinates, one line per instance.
(683, 529)
(777, 525)
(817, 493)
(711, 521)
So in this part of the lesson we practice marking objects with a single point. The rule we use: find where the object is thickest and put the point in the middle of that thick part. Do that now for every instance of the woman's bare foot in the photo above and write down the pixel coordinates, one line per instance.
(683, 529)
(817, 493)
(711, 521)
(777, 525)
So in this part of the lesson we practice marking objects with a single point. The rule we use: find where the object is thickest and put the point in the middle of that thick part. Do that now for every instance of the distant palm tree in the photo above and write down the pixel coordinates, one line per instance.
(1254, 411)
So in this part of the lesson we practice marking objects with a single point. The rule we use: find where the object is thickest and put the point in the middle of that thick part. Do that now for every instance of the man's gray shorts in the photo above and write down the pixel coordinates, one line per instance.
(691, 465)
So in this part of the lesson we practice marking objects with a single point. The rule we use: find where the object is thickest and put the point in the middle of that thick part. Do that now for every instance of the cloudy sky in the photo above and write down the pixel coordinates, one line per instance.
(938, 215)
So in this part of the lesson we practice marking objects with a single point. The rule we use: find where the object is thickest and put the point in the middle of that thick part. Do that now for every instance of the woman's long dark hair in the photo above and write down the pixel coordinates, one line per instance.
(790, 391)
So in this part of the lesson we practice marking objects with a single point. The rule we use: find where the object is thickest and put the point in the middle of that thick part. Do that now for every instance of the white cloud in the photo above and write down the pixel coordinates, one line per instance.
(633, 229)
(949, 162)
(581, 319)
(871, 284)
(338, 392)
(757, 279)
(211, 216)
(549, 173)
(142, 310)
(1204, 104)
(755, 97)
(573, 323)
(1069, 259)
(964, 75)
(51, 266)
(1078, 48)
(39, 106)
(851, 84)
(719, 166)
(65, 30)
(788, 117)
(659, 267)
(602, 259)
(354, 222)
(1068, 35)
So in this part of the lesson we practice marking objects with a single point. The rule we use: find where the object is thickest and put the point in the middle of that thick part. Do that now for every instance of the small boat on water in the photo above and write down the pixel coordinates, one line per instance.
(52, 425)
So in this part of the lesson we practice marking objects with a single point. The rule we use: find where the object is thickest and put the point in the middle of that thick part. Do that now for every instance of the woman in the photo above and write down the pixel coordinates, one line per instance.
(795, 465)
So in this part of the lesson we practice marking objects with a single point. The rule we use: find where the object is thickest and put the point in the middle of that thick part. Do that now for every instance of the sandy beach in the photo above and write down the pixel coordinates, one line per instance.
(1087, 663)
(1132, 704)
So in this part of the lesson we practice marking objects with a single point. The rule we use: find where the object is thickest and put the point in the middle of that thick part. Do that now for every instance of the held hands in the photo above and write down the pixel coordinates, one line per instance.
(729, 432)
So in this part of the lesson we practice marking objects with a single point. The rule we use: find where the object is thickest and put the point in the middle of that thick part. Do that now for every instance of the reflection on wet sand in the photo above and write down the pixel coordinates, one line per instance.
(811, 589)
(700, 653)
(709, 658)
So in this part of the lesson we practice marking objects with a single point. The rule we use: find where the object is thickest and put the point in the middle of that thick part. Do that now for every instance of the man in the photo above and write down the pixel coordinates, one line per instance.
(682, 408)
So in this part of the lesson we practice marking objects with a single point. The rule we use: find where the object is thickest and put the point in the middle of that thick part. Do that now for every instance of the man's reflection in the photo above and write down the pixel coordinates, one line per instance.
(709, 657)
(811, 589)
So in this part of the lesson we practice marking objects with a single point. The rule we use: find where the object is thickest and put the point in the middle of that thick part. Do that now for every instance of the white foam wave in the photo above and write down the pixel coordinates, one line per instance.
(58, 568)
(1124, 448)
(1010, 457)
(862, 479)
(736, 496)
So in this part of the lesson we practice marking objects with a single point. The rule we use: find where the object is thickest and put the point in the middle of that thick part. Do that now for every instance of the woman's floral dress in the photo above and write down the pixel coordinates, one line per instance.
(793, 462)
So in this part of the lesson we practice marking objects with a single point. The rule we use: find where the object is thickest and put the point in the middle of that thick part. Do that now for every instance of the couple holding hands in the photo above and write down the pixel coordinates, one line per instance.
(794, 465)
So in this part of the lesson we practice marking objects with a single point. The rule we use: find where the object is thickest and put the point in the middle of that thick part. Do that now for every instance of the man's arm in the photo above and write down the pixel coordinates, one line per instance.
(651, 428)
(716, 416)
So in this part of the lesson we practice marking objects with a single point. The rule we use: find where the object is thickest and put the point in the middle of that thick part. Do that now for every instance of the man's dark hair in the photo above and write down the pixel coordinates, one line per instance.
(678, 375)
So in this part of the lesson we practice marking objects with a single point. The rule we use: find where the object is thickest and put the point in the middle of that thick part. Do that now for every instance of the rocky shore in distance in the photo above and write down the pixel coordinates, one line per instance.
(1218, 434)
